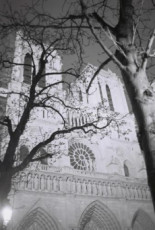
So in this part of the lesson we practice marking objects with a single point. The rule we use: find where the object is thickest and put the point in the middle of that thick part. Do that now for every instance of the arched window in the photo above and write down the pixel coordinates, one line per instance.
(24, 151)
(101, 94)
(72, 121)
(27, 68)
(38, 218)
(97, 216)
(76, 122)
(43, 153)
(87, 98)
(68, 117)
(3, 101)
(141, 221)
(83, 120)
(126, 170)
(42, 81)
(80, 96)
(109, 98)
(79, 122)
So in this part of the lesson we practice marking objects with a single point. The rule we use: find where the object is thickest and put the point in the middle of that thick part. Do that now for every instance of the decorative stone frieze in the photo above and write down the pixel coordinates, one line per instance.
(83, 184)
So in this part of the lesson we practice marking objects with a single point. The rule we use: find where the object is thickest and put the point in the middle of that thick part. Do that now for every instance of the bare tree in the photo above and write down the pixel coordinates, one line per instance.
(30, 61)
(129, 44)
(120, 29)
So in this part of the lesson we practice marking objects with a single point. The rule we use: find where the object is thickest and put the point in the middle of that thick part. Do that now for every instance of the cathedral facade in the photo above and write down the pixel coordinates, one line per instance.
(93, 182)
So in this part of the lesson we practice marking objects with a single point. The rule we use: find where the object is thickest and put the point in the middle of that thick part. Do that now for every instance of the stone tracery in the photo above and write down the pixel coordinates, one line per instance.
(38, 219)
(142, 221)
(98, 216)
(81, 157)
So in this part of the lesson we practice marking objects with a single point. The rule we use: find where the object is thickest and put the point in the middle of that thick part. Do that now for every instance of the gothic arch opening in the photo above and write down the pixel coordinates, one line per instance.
(126, 170)
(97, 216)
(142, 221)
(111, 106)
(101, 94)
(42, 81)
(129, 170)
(38, 219)
(27, 68)
(24, 151)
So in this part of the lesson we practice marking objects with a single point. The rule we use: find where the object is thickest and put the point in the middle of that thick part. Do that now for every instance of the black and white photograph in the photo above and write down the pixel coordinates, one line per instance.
(77, 114)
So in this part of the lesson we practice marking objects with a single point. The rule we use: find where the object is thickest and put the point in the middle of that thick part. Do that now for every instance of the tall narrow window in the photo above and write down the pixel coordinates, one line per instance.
(24, 151)
(3, 101)
(101, 94)
(42, 81)
(72, 121)
(79, 122)
(27, 68)
(43, 154)
(83, 120)
(76, 123)
(126, 170)
(109, 98)
(4, 77)
(80, 95)
(87, 98)
(68, 117)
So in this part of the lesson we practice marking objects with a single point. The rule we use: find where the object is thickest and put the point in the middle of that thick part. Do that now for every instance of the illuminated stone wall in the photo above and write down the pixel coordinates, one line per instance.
(96, 182)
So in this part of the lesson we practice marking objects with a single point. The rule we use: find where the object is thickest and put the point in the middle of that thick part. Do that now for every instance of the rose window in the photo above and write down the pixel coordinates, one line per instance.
(81, 157)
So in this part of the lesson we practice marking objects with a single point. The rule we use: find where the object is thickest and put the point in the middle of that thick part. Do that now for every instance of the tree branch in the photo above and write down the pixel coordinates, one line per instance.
(53, 84)
(103, 24)
(52, 137)
(62, 102)
(97, 71)
(52, 108)
(148, 49)
(42, 157)
(50, 26)
(104, 47)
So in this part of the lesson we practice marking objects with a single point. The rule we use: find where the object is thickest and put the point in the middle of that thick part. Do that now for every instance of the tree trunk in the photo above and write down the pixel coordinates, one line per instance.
(143, 102)
(139, 89)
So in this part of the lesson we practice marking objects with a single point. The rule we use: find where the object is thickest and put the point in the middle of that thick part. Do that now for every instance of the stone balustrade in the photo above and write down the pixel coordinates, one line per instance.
(78, 183)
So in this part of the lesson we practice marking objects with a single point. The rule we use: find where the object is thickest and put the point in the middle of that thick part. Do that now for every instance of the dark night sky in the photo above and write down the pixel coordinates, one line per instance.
(55, 7)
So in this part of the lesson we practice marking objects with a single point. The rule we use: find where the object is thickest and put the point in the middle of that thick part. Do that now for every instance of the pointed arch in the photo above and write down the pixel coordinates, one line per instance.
(126, 170)
(38, 219)
(42, 81)
(82, 120)
(109, 98)
(43, 152)
(3, 102)
(129, 170)
(80, 96)
(99, 215)
(142, 221)
(72, 122)
(76, 122)
(68, 117)
(27, 68)
(24, 151)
